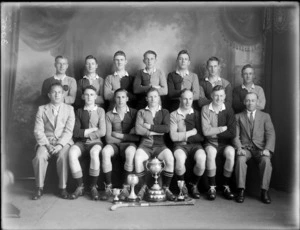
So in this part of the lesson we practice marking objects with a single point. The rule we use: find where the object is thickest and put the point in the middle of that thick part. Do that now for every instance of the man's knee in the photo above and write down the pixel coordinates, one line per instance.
(200, 156)
(130, 153)
(265, 160)
(180, 157)
(107, 153)
(168, 157)
(211, 153)
(241, 159)
(74, 153)
(41, 154)
(64, 152)
(229, 153)
(94, 154)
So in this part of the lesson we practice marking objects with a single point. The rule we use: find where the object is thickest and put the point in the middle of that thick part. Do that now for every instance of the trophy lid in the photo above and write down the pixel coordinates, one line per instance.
(155, 161)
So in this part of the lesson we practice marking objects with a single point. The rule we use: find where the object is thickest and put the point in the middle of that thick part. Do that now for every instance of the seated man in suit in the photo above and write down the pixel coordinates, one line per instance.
(152, 123)
(121, 140)
(186, 133)
(218, 126)
(239, 92)
(255, 137)
(53, 131)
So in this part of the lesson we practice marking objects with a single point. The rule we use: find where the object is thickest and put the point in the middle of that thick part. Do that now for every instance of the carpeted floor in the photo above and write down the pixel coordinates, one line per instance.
(52, 212)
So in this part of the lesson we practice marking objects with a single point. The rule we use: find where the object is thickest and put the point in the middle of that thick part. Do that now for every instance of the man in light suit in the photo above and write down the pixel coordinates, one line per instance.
(53, 132)
(255, 137)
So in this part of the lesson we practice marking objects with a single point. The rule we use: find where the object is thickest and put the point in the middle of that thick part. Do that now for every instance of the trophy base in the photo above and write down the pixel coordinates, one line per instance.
(117, 202)
(156, 195)
(132, 199)
(180, 198)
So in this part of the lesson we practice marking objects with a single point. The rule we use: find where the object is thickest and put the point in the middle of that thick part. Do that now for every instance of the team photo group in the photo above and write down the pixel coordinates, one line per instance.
(173, 118)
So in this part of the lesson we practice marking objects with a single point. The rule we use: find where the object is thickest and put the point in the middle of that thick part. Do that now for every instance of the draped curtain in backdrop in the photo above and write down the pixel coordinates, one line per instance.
(242, 27)
(10, 14)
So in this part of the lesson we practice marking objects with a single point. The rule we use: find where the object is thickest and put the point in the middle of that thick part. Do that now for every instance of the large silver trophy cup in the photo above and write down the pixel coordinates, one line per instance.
(155, 193)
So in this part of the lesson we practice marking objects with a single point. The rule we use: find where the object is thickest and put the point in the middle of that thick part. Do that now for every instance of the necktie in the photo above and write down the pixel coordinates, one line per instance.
(251, 121)
(55, 112)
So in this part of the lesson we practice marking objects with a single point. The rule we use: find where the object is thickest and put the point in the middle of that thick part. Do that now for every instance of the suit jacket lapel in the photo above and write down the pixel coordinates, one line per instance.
(49, 114)
(246, 124)
(60, 114)
(257, 121)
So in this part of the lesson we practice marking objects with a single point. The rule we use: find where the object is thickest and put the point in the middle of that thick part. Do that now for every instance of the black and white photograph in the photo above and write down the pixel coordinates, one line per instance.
(150, 115)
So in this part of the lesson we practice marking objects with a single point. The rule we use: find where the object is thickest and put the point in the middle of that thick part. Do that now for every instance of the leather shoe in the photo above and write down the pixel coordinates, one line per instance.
(63, 193)
(241, 196)
(106, 194)
(211, 194)
(264, 196)
(94, 192)
(78, 192)
(37, 194)
(227, 193)
(194, 191)
(170, 196)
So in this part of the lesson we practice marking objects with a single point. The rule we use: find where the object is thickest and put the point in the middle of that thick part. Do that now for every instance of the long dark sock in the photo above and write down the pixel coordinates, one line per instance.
(79, 181)
(94, 180)
(195, 179)
(212, 181)
(141, 177)
(225, 180)
(107, 177)
(167, 178)
(180, 177)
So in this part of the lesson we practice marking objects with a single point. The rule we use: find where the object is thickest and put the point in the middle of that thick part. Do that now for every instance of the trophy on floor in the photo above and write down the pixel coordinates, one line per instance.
(132, 180)
(155, 193)
(180, 184)
(116, 192)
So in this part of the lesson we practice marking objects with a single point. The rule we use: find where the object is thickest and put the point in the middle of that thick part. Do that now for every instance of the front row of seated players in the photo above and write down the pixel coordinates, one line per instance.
(186, 134)
(89, 128)
(55, 122)
(218, 125)
(121, 140)
(151, 124)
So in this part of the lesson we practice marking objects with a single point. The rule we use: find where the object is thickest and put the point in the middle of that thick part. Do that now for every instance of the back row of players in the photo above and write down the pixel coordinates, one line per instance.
(201, 126)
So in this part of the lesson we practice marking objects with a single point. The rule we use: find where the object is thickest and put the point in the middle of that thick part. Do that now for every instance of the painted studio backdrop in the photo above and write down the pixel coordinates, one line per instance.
(36, 33)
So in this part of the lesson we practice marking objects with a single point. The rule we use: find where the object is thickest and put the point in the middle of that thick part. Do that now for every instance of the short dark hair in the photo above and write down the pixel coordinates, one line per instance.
(246, 67)
(152, 89)
(120, 53)
(60, 57)
(248, 93)
(56, 83)
(183, 52)
(120, 90)
(91, 57)
(218, 88)
(150, 52)
(90, 87)
(212, 59)
(185, 90)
